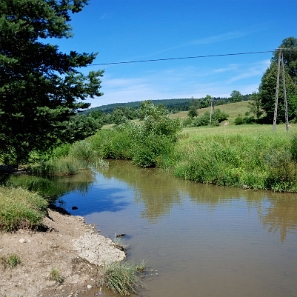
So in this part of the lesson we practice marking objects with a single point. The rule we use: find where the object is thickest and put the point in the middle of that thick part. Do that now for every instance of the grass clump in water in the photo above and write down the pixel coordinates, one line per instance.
(20, 208)
(122, 277)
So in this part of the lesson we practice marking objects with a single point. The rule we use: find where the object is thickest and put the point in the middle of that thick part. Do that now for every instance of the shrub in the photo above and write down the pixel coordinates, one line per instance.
(148, 150)
(201, 120)
(281, 171)
(187, 122)
(61, 151)
(238, 120)
(82, 151)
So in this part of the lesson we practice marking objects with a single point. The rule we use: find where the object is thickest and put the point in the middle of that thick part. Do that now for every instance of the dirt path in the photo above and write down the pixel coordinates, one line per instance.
(73, 248)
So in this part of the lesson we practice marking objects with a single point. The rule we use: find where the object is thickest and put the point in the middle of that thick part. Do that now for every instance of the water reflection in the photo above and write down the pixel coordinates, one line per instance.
(160, 192)
(55, 187)
(203, 240)
(111, 189)
(281, 214)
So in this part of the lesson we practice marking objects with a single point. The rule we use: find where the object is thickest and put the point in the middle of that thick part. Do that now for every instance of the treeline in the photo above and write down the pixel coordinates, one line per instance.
(172, 105)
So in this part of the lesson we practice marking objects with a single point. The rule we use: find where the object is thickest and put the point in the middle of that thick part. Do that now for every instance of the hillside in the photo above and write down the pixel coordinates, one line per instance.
(232, 109)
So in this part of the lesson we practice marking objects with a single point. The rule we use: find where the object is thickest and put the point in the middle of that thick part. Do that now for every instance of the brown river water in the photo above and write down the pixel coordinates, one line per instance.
(197, 240)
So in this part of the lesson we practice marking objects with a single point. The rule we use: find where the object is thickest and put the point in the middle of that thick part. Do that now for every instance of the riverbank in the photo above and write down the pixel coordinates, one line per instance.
(68, 246)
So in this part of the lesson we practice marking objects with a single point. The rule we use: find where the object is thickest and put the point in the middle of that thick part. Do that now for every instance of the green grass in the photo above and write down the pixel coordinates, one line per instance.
(121, 277)
(250, 156)
(56, 276)
(20, 208)
(11, 261)
(232, 109)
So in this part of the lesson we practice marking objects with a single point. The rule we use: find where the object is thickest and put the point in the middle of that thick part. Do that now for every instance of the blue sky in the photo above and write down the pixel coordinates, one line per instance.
(125, 30)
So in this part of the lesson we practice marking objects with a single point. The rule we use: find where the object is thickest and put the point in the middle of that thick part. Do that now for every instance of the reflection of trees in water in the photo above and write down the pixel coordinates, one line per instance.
(53, 188)
(281, 214)
(159, 191)
(277, 211)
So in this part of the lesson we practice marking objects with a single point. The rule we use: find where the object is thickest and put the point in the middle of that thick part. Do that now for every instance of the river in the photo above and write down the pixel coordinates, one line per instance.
(197, 240)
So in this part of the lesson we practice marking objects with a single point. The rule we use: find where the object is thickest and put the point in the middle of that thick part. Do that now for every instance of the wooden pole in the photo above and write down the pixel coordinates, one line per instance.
(285, 94)
(210, 115)
(276, 91)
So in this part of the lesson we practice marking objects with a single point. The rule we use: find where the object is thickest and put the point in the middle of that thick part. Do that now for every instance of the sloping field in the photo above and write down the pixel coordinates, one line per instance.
(232, 109)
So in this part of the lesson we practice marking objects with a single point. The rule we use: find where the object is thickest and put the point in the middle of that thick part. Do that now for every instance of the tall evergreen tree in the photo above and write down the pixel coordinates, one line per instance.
(267, 88)
(290, 56)
(267, 95)
(40, 87)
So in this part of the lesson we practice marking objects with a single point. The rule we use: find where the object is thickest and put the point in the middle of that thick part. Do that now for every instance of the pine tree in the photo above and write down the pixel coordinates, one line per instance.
(40, 87)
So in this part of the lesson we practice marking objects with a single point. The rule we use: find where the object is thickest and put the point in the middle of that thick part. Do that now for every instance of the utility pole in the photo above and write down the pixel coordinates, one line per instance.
(280, 60)
(211, 109)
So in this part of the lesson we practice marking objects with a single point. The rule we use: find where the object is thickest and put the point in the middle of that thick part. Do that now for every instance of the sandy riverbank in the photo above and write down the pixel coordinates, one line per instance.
(69, 245)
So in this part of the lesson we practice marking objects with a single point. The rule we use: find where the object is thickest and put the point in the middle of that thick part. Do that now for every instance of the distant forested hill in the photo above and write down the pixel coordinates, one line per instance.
(173, 105)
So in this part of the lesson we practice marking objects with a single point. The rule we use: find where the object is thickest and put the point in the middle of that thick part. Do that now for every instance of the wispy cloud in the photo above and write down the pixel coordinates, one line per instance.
(219, 38)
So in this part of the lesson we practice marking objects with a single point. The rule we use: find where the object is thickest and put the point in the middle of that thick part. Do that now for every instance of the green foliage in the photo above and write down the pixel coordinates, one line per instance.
(121, 277)
(202, 120)
(115, 143)
(20, 208)
(220, 116)
(82, 151)
(255, 105)
(290, 56)
(217, 117)
(267, 95)
(148, 150)
(267, 88)
(61, 151)
(80, 127)
(262, 162)
(144, 143)
(238, 120)
(187, 122)
(281, 170)
(192, 112)
(294, 148)
(40, 87)
(235, 96)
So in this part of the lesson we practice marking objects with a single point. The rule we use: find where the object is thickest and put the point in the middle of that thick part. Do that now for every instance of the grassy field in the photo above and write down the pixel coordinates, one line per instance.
(249, 156)
(251, 130)
(232, 109)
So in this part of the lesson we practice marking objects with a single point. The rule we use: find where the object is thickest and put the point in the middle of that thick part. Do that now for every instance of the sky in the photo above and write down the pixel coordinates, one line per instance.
(141, 30)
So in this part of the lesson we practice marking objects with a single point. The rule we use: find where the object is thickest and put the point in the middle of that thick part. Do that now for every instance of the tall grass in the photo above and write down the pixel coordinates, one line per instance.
(20, 208)
(121, 277)
(259, 159)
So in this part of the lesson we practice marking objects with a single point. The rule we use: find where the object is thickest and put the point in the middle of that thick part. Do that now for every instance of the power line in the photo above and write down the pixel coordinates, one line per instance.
(180, 58)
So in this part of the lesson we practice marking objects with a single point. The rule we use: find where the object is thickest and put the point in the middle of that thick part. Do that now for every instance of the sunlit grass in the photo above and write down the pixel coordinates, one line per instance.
(20, 208)
(121, 277)
(232, 109)
(251, 156)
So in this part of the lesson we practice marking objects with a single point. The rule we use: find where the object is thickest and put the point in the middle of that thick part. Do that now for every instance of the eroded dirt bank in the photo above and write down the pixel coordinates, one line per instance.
(76, 250)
